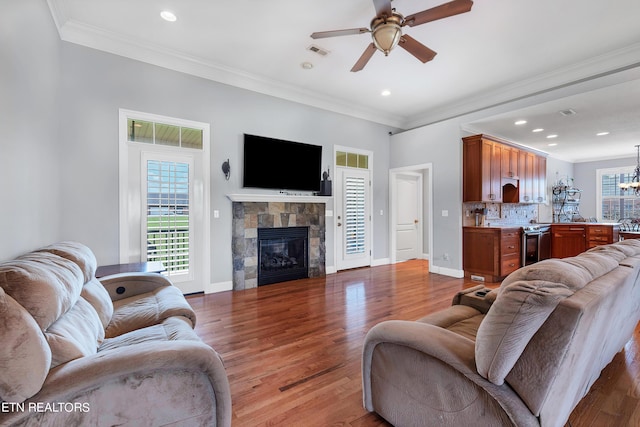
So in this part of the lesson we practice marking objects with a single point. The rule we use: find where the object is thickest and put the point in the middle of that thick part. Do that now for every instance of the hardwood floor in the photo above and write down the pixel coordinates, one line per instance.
(292, 350)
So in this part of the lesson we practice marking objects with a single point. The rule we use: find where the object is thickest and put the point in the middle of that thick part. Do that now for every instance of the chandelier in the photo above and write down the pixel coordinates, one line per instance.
(634, 184)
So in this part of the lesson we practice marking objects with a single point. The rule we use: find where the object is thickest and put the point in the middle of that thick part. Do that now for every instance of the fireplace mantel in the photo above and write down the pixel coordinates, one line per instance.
(246, 197)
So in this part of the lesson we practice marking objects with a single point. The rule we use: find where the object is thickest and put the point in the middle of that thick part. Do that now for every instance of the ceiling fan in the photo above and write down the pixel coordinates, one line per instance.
(386, 29)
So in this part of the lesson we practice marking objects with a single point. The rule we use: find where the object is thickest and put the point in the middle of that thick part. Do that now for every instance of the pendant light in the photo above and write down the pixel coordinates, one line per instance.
(634, 184)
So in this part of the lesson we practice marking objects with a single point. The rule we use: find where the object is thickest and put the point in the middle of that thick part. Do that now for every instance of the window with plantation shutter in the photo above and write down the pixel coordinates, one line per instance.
(355, 215)
(168, 224)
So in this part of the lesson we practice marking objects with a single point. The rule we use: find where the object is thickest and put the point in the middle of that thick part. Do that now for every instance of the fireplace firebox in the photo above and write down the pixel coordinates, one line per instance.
(283, 254)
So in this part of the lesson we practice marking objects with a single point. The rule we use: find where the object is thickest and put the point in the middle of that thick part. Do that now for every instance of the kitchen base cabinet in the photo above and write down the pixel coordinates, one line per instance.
(571, 239)
(490, 253)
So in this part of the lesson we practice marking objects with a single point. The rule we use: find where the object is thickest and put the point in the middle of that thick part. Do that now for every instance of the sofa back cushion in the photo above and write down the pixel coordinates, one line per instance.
(49, 288)
(93, 291)
(46, 285)
(25, 357)
(80, 254)
(525, 300)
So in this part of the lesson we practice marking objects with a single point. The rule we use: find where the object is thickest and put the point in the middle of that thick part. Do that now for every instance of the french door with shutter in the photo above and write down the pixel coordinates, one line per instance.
(353, 218)
(164, 210)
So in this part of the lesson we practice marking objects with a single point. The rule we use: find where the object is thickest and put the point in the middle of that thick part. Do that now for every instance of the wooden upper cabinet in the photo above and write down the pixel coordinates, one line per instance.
(541, 173)
(526, 161)
(481, 174)
(495, 172)
(510, 162)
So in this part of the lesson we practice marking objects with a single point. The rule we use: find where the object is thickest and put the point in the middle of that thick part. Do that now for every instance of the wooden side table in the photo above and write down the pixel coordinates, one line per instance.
(135, 267)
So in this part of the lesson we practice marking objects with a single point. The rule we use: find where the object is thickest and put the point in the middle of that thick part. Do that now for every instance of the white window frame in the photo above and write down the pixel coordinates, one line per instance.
(609, 171)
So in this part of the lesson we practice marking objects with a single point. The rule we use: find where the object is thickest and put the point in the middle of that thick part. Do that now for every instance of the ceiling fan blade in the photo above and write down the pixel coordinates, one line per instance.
(366, 56)
(452, 8)
(383, 7)
(336, 33)
(416, 48)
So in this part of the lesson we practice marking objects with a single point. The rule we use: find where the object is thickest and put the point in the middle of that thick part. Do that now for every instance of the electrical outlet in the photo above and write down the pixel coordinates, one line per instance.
(445, 256)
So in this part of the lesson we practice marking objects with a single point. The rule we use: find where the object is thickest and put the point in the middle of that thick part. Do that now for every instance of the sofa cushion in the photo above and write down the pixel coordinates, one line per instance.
(461, 319)
(628, 247)
(45, 284)
(148, 309)
(98, 297)
(78, 253)
(77, 333)
(25, 357)
(525, 300)
(171, 329)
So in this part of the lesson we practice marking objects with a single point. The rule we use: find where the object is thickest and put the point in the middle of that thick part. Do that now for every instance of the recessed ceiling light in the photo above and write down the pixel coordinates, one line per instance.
(385, 92)
(553, 135)
(307, 65)
(537, 130)
(168, 16)
(520, 122)
(602, 133)
(553, 144)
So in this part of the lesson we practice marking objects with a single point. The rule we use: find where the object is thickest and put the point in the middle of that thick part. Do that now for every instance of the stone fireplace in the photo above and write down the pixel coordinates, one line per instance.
(250, 216)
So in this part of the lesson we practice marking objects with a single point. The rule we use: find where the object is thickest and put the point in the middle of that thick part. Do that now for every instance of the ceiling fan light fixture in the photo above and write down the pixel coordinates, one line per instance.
(386, 32)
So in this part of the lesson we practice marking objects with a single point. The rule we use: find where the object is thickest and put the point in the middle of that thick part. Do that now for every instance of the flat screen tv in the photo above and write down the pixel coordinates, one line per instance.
(281, 165)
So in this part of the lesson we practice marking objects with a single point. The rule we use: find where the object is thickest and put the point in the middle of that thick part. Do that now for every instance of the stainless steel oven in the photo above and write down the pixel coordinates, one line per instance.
(536, 243)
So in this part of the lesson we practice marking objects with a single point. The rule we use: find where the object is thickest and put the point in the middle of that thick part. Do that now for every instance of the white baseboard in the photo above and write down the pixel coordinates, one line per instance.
(458, 274)
(218, 287)
(330, 269)
(380, 261)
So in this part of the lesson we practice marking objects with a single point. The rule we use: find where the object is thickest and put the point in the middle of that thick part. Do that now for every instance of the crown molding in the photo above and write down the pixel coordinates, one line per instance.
(97, 38)
(584, 72)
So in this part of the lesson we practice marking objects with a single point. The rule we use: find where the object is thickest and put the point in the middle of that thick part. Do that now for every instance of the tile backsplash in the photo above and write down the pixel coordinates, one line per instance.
(499, 214)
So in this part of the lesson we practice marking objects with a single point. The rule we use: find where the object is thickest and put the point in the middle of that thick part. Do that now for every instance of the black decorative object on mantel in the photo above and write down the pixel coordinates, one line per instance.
(325, 184)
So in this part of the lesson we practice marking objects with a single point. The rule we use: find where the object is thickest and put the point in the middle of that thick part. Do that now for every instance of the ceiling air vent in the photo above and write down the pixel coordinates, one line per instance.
(320, 51)
(568, 112)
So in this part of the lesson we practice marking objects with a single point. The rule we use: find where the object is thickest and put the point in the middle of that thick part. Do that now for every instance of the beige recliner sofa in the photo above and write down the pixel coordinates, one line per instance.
(77, 351)
(523, 355)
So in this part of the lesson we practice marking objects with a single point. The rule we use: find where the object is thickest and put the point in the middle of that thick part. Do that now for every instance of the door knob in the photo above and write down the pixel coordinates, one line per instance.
(415, 221)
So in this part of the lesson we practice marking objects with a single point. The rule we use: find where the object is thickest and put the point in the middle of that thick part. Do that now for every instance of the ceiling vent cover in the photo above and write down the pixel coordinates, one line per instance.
(317, 49)
(568, 112)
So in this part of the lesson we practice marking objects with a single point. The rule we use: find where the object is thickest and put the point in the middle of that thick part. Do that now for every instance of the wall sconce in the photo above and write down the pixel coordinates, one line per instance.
(226, 169)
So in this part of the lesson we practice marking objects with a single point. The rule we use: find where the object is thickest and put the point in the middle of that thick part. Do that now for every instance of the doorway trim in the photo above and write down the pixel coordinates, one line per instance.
(427, 170)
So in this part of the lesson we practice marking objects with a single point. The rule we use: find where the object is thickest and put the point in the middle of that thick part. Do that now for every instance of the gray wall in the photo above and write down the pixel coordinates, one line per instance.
(32, 206)
(64, 110)
(585, 179)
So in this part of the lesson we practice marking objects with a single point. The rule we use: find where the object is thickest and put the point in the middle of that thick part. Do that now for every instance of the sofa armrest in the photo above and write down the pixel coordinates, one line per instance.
(125, 285)
(138, 385)
(478, 297)
(448, 348)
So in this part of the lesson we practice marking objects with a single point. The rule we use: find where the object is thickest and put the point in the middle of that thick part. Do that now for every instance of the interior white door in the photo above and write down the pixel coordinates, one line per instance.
(408, 213)
(353, 218)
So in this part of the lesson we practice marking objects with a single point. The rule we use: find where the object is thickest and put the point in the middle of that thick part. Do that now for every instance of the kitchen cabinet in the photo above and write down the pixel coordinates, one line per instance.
(526, 161)
(568, 240)
(495, 172)
(541, 179)
(510, 162)
(491, 253)
(571, 239)
(481, 172)
(599, 234)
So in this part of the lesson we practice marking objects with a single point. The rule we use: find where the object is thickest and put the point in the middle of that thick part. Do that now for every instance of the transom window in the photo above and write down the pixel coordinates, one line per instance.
(163, 134)
(352, 160)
